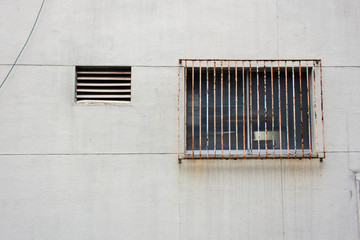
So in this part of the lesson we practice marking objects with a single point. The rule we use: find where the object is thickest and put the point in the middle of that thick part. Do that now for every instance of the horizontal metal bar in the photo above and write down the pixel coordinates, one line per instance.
(90, 72)
(103, 96)
(249, 157)
(100, 101)
(103, 78)
(103, 90)
(249, 60)
(104, 84)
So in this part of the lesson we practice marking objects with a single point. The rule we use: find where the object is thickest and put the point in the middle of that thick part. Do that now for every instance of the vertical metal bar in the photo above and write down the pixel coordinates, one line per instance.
(301, 113)
(185, 113)
(236, 110)
(222, 110)
(200, 108)
(279, 90)
(272, 109)
(322, 109)
(251, 119)
(265, 110)
(207, 109)
(308, 105)
(293, 91)
(243, 93)
(229, 108)
(315, 115)
(287, 112)
(214, 109)
(192, 109)
(258, 106)
(247, 113)
(178, 109)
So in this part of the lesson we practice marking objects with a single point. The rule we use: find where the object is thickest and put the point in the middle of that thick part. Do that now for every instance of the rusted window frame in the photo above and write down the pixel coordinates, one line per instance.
(313, 94)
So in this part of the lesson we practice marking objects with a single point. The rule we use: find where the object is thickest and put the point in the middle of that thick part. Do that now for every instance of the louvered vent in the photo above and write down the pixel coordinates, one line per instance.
(103, 84)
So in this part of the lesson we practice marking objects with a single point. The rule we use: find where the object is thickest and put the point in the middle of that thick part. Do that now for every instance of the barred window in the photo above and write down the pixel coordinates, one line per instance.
(253, 109)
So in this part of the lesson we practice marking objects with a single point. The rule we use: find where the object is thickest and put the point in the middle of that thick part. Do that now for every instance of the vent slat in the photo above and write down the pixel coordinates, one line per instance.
(82, 72)
(103, 96)
(103, 101)
(103, 84)
(104, 90)
(103, 78)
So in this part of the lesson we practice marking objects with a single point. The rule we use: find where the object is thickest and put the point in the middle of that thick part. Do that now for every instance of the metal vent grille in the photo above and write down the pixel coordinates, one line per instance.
(103, 84)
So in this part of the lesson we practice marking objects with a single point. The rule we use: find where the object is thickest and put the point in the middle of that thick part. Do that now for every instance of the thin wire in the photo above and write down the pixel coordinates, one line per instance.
(22, 49)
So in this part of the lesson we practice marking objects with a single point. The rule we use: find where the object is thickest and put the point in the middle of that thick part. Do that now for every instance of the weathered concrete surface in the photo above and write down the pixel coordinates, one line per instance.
(39, 114)
(246, 194)
(282, 199)
(145, 32)
(342, 109)
(72, 171)
(89, 197)
(327, 30)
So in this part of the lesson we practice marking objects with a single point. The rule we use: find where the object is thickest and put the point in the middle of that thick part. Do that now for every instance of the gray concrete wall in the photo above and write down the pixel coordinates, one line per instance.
(72, 171)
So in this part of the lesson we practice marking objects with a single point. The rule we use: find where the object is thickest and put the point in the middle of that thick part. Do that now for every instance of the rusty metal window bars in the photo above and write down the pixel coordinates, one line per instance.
(237, 109)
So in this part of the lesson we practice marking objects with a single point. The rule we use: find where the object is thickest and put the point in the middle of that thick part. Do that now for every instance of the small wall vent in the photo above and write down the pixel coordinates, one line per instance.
(103, 84)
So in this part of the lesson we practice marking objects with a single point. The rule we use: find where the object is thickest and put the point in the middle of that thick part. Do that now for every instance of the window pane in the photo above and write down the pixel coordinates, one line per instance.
(274, 123)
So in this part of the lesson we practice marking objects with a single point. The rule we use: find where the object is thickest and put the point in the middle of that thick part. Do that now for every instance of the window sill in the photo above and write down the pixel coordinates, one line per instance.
(102, 103)
(256, 155)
